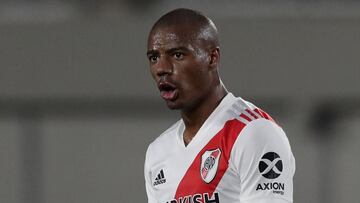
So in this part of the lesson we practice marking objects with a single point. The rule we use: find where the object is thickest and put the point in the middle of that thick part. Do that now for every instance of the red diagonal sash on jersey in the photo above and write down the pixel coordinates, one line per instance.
(192, 183)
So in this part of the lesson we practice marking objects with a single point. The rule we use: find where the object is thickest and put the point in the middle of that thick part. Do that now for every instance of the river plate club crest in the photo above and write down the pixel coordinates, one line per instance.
(209, 164)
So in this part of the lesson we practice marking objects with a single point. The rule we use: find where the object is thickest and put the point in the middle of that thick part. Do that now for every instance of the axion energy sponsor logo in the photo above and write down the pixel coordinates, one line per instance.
(197, 198)
(270, 167)
(277, 188)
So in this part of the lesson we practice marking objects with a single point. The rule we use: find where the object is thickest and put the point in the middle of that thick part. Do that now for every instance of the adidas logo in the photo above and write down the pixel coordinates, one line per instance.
(160, 178)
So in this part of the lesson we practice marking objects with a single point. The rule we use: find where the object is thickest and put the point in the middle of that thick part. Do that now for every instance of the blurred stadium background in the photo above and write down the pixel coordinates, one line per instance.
(78, 107)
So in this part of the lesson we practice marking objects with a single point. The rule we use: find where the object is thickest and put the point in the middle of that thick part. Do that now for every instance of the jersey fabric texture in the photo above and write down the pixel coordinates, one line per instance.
(239, 155)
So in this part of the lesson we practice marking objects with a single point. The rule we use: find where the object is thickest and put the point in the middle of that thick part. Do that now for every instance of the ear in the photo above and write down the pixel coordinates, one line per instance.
(214, 57)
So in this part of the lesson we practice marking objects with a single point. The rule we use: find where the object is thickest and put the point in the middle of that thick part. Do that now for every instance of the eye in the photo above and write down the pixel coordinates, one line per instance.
(178, 55)
(153, 58)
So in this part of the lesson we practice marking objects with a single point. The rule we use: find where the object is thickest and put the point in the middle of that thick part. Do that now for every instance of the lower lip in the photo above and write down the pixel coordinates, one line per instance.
(169, 95)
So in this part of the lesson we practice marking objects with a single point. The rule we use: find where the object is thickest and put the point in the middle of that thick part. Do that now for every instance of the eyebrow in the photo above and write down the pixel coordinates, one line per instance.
(152, 52)
(181, 48)
(177, 49)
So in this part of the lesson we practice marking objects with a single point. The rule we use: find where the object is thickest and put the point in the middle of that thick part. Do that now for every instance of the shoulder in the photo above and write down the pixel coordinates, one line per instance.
(260, 131)
(167, 136)
(249, 111)
(260, 134)
(262, 155)
(256, 120)
(254, 126)
(164, 140)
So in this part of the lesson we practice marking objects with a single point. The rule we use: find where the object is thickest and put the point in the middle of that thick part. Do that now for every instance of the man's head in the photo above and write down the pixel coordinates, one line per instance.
(183, 51)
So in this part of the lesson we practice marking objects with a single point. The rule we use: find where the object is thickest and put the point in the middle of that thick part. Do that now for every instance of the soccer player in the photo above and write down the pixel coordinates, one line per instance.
(223, 149)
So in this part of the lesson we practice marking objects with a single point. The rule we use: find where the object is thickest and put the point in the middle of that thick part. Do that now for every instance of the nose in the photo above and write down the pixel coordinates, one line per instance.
(163, 67)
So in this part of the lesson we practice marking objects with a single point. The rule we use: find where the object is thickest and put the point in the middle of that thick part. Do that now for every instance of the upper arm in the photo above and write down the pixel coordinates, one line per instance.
(264, 162)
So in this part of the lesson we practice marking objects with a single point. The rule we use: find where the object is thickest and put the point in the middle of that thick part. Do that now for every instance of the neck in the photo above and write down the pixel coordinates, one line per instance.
(195, 117)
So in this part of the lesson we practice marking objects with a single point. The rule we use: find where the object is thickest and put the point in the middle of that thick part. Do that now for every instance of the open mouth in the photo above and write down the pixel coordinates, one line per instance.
(168, 91)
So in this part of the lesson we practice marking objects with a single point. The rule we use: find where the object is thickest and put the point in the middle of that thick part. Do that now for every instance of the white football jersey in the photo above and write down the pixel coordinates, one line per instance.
(239, 155)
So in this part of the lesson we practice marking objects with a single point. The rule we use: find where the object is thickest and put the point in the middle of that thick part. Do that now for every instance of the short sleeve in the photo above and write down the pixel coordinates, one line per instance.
(149, 189)
(263, 160)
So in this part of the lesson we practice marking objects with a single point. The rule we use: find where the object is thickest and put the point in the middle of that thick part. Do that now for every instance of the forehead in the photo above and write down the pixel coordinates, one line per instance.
(171, 36)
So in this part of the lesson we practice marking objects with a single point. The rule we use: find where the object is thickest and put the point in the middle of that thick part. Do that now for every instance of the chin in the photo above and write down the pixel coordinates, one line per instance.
(173, 105)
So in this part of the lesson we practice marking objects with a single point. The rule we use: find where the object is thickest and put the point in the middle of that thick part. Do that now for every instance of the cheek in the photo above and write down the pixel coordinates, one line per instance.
(194, 77)
(152, 72)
